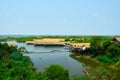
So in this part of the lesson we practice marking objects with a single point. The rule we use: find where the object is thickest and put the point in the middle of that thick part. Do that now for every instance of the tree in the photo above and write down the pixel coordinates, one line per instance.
(106, 45)
(67, 39)
(22, 50)
(56, 72)
(16, 56)
(83, 78)
(15, 66)
(113, 51)
(96, 46)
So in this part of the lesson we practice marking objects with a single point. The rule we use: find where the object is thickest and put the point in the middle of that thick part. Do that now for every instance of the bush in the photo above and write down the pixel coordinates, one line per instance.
(15, 66)
(16, 56)
(56, 72)
(113, 51)
(100, 73)
(67, 39)
(107, 60)
(96, 46)
(83, 78)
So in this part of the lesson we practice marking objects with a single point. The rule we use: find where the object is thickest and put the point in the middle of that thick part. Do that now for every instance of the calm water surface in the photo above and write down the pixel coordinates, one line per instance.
(42, 57)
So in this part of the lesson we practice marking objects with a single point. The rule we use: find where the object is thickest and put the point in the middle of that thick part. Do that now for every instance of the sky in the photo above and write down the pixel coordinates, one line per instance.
(59, 17)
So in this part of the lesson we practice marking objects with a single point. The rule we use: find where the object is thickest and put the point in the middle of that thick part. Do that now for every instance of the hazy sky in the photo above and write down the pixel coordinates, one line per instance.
(60, 17)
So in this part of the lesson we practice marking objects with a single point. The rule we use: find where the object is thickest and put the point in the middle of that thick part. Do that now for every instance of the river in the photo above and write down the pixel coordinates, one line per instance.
(42, 57)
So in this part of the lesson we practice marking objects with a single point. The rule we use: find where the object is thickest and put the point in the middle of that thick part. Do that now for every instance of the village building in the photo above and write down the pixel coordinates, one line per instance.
(79, 47)
(12, 45)
(47, 42)
(74, 47)
(116, 40)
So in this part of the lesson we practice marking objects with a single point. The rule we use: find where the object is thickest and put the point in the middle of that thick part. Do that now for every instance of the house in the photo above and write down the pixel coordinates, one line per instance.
(78, 47)
(29, 42)
(47, 42)
(116, 40)
(12, 45)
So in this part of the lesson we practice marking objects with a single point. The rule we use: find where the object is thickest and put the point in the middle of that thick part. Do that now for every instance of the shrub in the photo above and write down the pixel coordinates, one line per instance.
(113, 51)
(83, 78)
(107, 60)
(16, 56)
(56, 72)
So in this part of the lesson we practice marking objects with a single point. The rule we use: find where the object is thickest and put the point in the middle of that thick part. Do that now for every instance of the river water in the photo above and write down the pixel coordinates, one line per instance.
(42, 57)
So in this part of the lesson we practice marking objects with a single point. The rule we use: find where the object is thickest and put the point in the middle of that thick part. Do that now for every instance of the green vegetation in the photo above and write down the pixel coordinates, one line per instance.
(19, 39)
(103, 53)
(82, 40)
(75, 39)
(24, 39)
(83, 78)
(96, 46)
(22, 50)
(56, 72)
(94, 69)
(15, 66)
(100, 73)
(67, 39)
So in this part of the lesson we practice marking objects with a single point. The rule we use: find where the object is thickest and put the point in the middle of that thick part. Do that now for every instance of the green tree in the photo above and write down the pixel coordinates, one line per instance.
(56, 72)
(16, 56)
(15, 66)
(113, 51)
(106, 45)
(22, 50)
(67, 39)
(41, 76)
(96, 46)
(83, 78)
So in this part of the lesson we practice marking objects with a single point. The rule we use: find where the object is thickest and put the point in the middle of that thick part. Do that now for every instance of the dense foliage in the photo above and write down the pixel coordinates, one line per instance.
(103, 50)
(56, 72)
(95, 46)
(18, 39)
(13, 65)
(106, 51)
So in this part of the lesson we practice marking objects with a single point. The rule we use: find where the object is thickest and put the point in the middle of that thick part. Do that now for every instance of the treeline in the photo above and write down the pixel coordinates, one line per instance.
(18, 39)
(86, 39)
(30, 38)
(74, 39)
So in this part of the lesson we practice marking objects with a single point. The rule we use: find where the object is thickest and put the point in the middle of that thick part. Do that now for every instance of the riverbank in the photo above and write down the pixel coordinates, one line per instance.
(91, 64)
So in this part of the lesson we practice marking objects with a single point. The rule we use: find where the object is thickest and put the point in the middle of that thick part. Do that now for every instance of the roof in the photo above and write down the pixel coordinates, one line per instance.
(47, 41)
(79, 45)
(118, 39)
(29, 42)
(12, 45)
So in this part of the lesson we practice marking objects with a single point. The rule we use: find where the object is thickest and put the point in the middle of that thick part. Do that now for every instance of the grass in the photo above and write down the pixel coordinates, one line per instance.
(87, 61)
